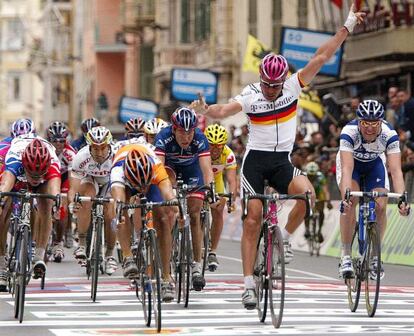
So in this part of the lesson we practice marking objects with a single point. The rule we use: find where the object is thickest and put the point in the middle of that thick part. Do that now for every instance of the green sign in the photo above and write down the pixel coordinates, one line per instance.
(398, 244)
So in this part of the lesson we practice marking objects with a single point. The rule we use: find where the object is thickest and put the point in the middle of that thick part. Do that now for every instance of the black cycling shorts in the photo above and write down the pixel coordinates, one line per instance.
(275, 167)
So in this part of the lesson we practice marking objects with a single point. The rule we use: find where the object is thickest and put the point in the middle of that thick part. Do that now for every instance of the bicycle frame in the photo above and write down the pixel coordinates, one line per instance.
(20, 268)
(366, 215)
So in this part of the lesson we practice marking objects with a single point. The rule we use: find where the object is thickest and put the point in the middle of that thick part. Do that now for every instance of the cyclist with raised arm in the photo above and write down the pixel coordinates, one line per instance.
(270, 106)
(368, 145)
(32, 161)
(90, 173)
(184, 148)
(86, 126)
(222, 161)
(57, 135)
(323, 196)
(137, 170)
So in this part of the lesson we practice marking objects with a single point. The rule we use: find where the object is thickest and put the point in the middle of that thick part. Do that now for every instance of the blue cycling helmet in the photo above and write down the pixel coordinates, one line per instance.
(370, 110)
(184, 118)
(22, 126)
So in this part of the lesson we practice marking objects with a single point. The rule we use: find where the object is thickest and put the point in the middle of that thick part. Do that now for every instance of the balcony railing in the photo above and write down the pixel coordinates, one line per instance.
(109, 36)
(175, 56)
(137, 14)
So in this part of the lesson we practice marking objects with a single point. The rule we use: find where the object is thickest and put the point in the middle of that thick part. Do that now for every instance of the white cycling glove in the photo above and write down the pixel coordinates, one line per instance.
(351, 21)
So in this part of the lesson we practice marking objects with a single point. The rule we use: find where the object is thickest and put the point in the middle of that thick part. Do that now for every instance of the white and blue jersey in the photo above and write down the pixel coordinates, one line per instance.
(13, 160)
(369, 158)
(183, 161)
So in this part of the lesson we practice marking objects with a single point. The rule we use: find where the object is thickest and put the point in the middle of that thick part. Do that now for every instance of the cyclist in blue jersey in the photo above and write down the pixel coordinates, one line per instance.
(184, 148)
(86, 126)
(270, 106)
(368, 146)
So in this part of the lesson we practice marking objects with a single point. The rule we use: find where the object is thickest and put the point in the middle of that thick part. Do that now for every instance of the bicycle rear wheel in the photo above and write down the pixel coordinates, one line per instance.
(276, 269)
(154, 274)
(96, 257)
(260, 275)
(354, 284)
(372, 268)
(175, 260)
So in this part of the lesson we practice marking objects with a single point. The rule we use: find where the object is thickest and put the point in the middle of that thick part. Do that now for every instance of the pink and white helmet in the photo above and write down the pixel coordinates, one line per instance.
(274, 67)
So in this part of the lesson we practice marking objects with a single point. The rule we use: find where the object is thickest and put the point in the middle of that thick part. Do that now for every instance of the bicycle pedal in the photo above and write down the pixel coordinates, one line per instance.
(82, 263)
(212, 268)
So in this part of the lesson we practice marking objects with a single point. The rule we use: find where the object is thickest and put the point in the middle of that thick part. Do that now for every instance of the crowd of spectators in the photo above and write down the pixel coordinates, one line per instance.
(321, 144)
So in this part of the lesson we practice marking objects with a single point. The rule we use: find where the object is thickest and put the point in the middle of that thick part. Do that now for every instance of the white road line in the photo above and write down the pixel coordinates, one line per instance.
(241, 330)
(315, 275)
(246, 319)
(217, 302)
(196, 313)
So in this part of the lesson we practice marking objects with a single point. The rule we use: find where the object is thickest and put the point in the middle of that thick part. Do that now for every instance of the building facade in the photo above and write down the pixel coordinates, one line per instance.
(21, 93)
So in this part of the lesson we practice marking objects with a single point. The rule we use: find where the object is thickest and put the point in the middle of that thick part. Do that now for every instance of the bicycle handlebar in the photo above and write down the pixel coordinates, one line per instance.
(80, 199)
(229, 201)
(280, 197)
(375, 194)
(210, 188)
(149, 205)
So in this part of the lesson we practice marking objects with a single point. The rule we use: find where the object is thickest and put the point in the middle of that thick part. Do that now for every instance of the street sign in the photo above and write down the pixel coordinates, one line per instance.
(299, 45)
(130, 107)
(186, 84)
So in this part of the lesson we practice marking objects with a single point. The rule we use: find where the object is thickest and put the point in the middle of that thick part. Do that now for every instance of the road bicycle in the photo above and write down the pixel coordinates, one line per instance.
(20, 251)
(366, 250)
(148, 260)
(182, 251)
(96, 244)
(269, 268)
(205, 221)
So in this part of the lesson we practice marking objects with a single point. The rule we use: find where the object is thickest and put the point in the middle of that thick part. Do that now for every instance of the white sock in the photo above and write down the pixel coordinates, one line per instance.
(249, 282)
(285, 234)
(2, 262)
(40, 252)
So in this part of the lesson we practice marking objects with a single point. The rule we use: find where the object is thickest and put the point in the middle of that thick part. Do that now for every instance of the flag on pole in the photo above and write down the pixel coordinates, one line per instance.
(255, 51)
(337, 3)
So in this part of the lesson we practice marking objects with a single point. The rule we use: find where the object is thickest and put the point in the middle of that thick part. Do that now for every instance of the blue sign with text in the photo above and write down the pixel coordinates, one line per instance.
(130, 107)
(299, 46)
(186, 84)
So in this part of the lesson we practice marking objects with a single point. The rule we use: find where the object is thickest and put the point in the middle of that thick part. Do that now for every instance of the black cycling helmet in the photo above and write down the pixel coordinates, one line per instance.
(88, 124)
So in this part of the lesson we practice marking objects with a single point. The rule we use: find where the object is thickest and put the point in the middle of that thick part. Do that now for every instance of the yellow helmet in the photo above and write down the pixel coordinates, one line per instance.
(311, 168)
(216, 134)
(98, 135)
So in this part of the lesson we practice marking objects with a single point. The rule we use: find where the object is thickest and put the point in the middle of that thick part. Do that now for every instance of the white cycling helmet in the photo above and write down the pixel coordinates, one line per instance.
(98, 136)
(154, 125)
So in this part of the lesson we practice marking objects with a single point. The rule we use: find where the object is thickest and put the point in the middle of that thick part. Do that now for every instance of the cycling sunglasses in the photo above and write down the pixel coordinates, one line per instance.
(272, 85)
(373, 124)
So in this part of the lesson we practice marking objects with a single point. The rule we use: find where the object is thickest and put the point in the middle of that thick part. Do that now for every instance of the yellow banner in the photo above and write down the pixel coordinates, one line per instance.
(309, 100)
(255, 51)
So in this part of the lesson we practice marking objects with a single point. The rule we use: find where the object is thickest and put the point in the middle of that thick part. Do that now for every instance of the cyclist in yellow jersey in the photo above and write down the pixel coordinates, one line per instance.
(222, 159)
(323, 196)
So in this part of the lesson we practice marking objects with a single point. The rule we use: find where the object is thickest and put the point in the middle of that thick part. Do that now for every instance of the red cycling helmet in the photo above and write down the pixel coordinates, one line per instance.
(36, 158)
(274, 67)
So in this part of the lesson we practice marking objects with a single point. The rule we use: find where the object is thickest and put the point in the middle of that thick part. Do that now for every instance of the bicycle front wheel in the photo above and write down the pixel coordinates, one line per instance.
(354, 284)
(276, 270)
(186, 263)
(260, 275)
(154, 274)
(22, 273)
(96, 257)
(205, 224)
(372, 269)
